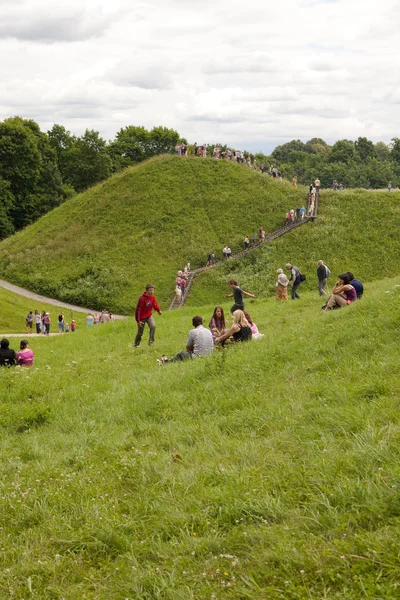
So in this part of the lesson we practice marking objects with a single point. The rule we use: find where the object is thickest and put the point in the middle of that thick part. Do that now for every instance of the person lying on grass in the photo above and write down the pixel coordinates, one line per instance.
(343, 293)
(199, 343)
(240, 330)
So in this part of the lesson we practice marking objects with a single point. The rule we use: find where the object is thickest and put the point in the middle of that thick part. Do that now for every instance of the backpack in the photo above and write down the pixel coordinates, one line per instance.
(328, 271)
(302, 277)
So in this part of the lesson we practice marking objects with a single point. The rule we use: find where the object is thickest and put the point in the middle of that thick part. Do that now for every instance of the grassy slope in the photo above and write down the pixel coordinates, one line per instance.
(356, 231)
(288, 482)
(14, 308)
(100, 248)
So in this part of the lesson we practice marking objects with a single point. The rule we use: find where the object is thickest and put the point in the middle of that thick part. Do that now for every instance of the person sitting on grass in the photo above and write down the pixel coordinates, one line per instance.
(199, 343)
(357, 285)
(238, 294)
(217, 324)
(255, 334)
(240, 330)
(25, 355)
(343, 293)
(8, 358)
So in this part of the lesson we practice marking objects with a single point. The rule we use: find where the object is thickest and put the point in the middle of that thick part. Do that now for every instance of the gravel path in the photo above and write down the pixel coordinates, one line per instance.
(27, 294)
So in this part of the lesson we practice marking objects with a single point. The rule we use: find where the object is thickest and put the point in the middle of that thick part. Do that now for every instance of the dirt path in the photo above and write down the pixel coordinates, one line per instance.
(27, 294)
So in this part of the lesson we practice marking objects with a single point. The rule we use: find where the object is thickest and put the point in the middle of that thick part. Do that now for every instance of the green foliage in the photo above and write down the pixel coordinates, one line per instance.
(365, 148)
(269, 470)
(342, 151)
(283, 153)
(100, 248)
(28, 164)
(6, 203)
(134, 144)
(355, 164)
(395, 150)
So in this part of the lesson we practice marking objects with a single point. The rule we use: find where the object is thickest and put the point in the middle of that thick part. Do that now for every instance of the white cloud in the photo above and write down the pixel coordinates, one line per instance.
(252, 75)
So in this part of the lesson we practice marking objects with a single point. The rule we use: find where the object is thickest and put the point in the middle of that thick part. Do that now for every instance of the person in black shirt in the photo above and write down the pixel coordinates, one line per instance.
(240, 330)
(8, 357)
(238, 294)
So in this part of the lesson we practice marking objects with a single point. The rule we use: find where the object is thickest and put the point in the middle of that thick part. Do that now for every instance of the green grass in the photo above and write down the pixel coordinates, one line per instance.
(356, 231)
(288, 481)
(14, 308)
(100, 248)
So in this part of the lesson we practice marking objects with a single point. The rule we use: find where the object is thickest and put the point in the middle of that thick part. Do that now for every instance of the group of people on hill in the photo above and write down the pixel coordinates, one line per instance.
(42, 322)
(181, 283)
(9, 358)
(95, 319)
(202, 341)
(295, 215)
(346, 290)
(238, 156)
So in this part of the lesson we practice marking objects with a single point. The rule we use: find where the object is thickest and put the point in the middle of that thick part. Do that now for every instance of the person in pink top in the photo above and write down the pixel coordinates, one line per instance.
(25, 355)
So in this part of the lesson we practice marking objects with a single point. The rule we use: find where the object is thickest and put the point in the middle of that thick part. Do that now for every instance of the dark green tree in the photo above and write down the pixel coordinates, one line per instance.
(382, 151)
(395, 150)
(6, 204)
(317, 146)
(342, 151)
(133, 144)
(84, 160)
(283, 153)
(28, 163)
(364, 148)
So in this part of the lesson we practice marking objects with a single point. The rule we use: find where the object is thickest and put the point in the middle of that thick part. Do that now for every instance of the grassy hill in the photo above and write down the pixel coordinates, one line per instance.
(100, 248)
(356, 231)
(287, 485)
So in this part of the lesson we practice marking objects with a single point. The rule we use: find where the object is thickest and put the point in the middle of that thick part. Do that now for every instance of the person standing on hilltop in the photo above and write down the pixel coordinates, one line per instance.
(317, 184)
(237, 294)
(389, 187)
(294, 182)
(144, 314)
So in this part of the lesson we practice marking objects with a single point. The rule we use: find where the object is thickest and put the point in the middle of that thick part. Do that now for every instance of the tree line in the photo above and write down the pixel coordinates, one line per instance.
(359, 164)
(39, 171)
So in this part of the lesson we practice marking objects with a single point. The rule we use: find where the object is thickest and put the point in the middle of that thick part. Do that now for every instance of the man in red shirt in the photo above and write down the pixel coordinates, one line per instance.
(143, 314)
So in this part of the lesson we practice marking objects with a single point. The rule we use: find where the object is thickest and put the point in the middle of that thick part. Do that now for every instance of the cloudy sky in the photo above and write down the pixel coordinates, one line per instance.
(248, 73)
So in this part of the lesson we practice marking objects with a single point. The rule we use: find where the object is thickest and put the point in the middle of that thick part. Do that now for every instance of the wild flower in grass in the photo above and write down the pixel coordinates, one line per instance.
(302, 571)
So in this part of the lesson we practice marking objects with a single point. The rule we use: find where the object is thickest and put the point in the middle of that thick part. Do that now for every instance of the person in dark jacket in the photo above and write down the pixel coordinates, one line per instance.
(144, 314)
(8, 357)
(322, 273)
(357, 285)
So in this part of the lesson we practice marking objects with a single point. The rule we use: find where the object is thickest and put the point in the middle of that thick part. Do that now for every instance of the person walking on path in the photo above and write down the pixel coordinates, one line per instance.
(61, 322)
(246, 242)
(281, 285)
(29, 322)
(237, 294)
(295, 279)
(323, 273)
(317, 184)
(38, 321)
(144, 314)
(46, 322)
(389, 187)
